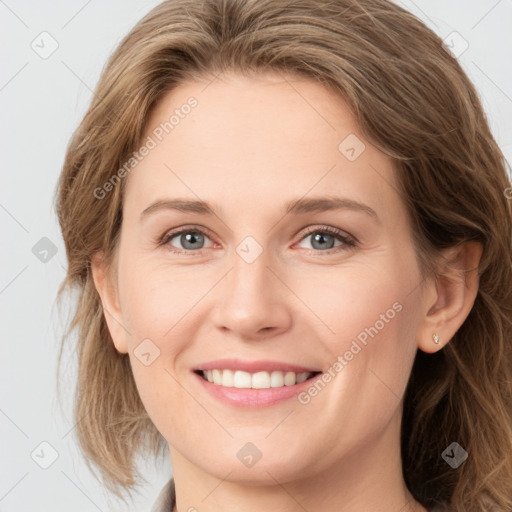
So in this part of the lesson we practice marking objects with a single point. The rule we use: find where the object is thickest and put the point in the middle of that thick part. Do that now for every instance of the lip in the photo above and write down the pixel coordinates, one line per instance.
(253, 398)
(254, 366)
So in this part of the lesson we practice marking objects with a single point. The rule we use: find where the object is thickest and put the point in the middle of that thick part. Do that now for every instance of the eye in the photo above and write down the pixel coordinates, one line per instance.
(189, 240)
(323, 239)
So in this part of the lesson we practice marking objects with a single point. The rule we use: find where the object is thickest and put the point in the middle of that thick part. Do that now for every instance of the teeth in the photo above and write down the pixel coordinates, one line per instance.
(242, 380)
(217, 376)
(276, 379)
(258, 380)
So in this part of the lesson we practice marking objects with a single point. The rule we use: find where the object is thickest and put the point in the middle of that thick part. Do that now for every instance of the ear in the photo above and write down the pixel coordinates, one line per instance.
(108, 292)
(450, 296)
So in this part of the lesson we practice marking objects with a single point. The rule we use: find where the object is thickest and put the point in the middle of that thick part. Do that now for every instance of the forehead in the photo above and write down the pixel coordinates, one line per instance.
(235, 139)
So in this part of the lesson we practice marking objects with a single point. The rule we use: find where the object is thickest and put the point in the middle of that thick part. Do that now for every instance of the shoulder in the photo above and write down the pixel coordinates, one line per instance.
(166, 499)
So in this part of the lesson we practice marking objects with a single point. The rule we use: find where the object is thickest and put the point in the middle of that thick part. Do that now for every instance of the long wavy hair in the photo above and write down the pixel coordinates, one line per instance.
(414, 102)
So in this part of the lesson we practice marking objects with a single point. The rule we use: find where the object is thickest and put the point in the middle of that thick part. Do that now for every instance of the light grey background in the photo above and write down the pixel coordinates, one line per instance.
(42, 101)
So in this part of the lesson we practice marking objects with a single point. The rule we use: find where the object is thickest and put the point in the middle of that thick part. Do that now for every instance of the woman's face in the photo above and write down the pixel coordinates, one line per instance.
(243, 270)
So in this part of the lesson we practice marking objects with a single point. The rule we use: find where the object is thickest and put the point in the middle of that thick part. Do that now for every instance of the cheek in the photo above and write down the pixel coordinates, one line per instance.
(156, 298)
(159, 310)
(368, 320)
(358, 300)
(159, 333)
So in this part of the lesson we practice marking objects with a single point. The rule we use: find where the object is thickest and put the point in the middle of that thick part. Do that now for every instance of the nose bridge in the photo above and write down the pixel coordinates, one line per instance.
(252, 300)
(249, 283)
(250, 278)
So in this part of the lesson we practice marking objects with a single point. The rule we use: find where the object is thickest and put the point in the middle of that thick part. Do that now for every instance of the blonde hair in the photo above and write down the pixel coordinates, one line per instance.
(414, 102)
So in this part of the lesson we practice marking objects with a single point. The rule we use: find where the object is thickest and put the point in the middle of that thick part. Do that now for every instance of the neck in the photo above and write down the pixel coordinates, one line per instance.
(369, 478)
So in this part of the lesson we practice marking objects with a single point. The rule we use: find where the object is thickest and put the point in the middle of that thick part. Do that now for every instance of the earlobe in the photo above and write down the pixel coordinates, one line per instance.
(107, 290)
(454, 292)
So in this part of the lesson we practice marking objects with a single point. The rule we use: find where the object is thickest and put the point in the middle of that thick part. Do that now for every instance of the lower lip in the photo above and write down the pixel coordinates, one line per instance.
(248, 397)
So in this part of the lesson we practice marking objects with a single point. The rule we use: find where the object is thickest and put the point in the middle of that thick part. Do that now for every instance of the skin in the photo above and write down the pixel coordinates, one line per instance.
(250, 146)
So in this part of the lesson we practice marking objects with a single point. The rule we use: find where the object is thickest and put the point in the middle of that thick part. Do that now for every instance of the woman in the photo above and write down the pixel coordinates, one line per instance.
(289, 229)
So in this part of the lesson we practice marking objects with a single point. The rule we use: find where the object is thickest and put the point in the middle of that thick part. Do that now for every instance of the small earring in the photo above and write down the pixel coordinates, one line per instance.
(435, 337)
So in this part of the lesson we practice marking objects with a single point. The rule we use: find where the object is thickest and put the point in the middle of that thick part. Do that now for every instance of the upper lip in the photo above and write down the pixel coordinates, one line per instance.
(253, 366)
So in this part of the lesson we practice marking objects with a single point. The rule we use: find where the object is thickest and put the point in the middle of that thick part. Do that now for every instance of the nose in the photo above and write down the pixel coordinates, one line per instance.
(252, 300)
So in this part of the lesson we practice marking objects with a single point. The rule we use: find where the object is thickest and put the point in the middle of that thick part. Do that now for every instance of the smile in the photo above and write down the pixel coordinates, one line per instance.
(256, 389)
(259, 380)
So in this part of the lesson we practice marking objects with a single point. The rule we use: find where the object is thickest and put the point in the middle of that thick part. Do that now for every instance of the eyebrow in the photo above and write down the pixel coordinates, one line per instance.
(296, 206)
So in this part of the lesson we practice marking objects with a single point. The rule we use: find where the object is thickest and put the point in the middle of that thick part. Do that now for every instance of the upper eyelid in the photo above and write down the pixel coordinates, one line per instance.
(330, 230)
(171, 233)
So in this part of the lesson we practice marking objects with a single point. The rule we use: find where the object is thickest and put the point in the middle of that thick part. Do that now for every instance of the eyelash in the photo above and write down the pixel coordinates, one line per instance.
(349, 241)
